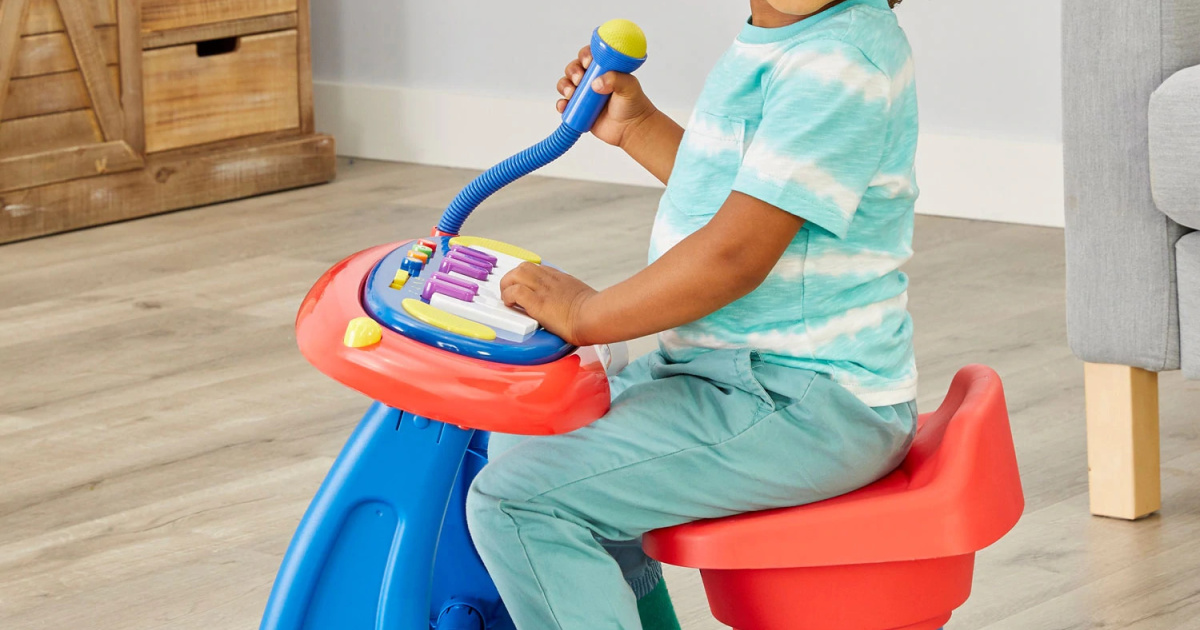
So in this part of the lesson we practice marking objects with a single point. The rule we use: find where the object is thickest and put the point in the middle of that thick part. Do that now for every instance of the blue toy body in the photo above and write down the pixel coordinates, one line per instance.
(384, 544)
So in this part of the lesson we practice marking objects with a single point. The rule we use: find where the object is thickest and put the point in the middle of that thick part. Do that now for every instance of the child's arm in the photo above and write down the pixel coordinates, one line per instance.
(719, 263)
(630, 120)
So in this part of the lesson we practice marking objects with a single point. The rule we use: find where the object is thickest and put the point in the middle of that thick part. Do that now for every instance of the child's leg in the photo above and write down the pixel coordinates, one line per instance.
(642, 573)
(697, 440)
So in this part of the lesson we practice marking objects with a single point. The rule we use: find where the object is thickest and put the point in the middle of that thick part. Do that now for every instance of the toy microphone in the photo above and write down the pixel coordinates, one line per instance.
(617, 45)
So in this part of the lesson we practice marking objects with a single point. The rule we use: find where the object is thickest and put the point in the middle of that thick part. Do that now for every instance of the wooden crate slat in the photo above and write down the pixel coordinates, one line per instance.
(47, 133)
(12, 12)
(66, 164)
(50, 94)
(168, 182)
(44, 16)
(129, 28)
(77, 16)
(219, 30)
(53, 52)
(161, 15)
(304, 48)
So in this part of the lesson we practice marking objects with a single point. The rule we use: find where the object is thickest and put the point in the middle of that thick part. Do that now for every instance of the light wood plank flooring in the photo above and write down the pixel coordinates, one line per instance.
(160, 435)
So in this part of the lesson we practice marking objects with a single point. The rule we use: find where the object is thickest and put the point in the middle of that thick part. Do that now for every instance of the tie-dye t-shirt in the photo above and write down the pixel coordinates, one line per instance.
(818, 118)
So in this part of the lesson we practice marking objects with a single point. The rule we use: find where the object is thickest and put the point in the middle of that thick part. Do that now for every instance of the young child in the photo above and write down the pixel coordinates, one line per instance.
(785, 372)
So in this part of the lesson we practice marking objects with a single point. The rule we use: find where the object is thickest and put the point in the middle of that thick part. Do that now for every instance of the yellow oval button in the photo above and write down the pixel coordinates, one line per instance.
(497, 246)
(435, 316)
(362, 332)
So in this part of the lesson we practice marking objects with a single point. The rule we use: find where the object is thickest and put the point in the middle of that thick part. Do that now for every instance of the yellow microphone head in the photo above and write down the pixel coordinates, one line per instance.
(624, 37)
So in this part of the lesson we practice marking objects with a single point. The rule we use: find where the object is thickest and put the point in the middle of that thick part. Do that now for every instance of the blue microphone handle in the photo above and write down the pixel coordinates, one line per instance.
(585, 104)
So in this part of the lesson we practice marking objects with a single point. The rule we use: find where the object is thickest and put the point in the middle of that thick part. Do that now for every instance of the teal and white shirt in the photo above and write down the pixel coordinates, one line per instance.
(818, 118)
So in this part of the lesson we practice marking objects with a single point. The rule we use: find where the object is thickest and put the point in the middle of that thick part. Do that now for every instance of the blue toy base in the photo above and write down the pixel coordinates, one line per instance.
(384, 544)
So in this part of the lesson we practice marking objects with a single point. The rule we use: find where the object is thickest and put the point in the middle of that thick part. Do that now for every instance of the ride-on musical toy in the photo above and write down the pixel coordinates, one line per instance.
(418, 326)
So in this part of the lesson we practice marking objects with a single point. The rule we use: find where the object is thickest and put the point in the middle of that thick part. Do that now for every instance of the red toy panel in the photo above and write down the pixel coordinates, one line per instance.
(544, 399)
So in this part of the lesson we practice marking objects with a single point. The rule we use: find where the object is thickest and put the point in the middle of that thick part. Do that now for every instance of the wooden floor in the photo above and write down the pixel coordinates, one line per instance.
(160, 435)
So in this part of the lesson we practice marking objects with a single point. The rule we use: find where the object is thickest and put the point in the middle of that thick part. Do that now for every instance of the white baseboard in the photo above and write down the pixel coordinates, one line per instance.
(960, 176)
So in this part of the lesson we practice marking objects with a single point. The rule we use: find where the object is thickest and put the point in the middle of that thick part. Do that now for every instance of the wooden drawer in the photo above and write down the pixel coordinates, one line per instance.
(161, 15)
(199, 93)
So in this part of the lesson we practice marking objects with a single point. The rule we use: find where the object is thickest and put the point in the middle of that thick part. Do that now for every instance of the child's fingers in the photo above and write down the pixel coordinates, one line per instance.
(616, 83)
(519, 275)
(574, 71)
(518, 295)
(566, 87)
(561, 105)
(605, 83)
(585, 56)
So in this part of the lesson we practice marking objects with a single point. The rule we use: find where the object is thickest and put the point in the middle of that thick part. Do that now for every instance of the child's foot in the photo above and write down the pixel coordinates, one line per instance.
(656, 610)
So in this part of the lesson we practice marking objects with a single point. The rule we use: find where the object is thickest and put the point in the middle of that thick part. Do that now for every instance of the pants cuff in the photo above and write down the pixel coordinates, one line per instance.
(645, 581)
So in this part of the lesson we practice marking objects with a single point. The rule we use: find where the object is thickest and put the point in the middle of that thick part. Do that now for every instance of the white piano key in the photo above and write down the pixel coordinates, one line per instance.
(499, 303)
(496, 302)
(515, 311)
(500, 318)
(489, 287)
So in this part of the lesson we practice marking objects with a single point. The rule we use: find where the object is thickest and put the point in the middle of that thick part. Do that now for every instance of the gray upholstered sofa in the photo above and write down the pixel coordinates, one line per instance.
(1131, 126)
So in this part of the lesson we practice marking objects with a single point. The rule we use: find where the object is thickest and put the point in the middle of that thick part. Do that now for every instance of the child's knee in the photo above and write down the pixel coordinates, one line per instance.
(484, 513)
(501, 493)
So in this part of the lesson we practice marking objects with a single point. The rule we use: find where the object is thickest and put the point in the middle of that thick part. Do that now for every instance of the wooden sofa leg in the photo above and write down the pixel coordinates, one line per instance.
(1122, 440)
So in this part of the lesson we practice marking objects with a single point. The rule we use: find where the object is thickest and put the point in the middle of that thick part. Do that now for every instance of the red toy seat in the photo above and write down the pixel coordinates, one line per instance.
(898, 554)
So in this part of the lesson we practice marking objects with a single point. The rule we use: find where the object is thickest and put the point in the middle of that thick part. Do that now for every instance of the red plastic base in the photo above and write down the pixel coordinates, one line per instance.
(915, 595)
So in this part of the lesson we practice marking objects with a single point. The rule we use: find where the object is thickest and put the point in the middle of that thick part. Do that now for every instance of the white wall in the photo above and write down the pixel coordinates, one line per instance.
(427, 80)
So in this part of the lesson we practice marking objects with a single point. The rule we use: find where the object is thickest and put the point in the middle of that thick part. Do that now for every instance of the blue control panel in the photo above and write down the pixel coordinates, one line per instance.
(447, 296)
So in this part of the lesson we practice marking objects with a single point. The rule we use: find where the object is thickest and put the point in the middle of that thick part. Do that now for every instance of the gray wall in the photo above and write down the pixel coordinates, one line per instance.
(985, 67)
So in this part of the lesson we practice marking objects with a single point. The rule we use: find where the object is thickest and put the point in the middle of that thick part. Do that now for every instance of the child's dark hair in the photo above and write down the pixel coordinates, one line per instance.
(894, 2)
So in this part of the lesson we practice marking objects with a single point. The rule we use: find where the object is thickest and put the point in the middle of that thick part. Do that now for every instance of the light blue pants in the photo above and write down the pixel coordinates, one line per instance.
(558, 519)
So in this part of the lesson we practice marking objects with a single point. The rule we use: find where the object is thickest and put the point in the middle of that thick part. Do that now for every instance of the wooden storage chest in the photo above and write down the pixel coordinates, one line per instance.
(113, 109)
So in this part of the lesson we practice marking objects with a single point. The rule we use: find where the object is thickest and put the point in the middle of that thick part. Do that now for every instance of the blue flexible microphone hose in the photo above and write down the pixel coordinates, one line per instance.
(505, 173)
(617, 45)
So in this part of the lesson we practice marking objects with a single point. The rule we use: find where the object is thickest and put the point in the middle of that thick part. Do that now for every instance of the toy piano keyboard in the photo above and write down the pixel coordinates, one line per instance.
(445, 292)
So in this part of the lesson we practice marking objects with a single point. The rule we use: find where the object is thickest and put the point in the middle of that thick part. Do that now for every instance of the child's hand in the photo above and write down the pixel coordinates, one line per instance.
(628, 106)
(550, 296)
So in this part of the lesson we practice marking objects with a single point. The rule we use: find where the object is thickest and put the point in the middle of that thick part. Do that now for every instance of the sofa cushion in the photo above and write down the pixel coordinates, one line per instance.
(1175, 147)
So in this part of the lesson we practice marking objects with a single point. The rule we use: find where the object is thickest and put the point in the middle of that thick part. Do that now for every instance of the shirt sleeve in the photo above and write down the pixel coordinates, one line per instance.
(822, 135)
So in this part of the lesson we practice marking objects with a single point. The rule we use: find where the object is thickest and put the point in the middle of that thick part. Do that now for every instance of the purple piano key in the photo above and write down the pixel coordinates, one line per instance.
(466, 284)
(446, 288)
(467, 258)
(463, 268)
(474, 252)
